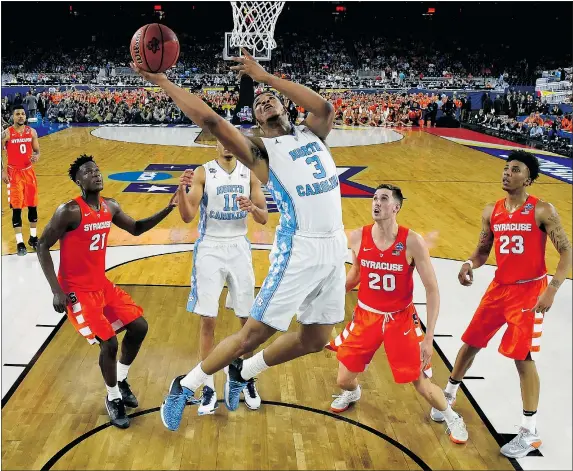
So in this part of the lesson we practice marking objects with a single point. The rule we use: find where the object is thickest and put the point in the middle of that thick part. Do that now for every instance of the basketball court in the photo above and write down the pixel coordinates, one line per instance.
(53, 411)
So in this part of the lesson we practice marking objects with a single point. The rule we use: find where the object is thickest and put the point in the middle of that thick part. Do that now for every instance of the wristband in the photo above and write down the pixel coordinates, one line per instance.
(471, 264)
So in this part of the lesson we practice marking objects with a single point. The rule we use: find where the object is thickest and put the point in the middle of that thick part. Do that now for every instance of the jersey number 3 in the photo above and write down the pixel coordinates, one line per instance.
(95, 245)
(388, 282)
(515, 247)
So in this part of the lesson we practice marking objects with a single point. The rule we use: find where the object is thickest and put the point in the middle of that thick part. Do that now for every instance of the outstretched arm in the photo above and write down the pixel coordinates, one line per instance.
(321, 117)
(482, 251)
(136, 228)
(249, 153)
(67, 216)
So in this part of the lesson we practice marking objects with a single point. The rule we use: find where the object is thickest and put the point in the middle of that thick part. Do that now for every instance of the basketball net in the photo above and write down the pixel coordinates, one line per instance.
(254, 25)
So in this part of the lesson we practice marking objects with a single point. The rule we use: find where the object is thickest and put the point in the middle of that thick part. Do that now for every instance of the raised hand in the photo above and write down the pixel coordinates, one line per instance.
(186, 179)
(150, 77)
(248, 65)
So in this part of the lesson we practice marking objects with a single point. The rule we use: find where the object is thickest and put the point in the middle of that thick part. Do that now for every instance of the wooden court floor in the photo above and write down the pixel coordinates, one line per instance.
(56, 419)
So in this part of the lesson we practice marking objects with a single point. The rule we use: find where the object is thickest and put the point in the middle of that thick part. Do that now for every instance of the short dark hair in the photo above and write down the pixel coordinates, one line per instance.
(266, 92)
(530, 161)
(17, 107)
(76, 164)
(396, 191)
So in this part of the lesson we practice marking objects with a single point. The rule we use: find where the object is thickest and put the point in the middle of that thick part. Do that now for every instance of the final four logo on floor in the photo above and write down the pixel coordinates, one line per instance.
(348, 189)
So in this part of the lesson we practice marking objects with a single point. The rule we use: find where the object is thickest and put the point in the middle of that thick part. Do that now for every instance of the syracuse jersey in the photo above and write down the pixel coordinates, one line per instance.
(219, 214)
(386, 277)
(519, 243)
(19, 148)
(82, 252)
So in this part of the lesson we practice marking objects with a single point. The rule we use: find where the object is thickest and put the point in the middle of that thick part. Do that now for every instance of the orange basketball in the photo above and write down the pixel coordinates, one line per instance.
(154, 48)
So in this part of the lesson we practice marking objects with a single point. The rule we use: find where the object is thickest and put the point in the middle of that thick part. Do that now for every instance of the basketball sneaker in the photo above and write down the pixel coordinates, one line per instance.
(128, 397)
(437, 415)
(174, 404)
(234, 384)
(457, 430)
(21, 249)
(523, 444)
(208, 402)
(251, 395)
(116, 412)
(33, 242)
(345, 400)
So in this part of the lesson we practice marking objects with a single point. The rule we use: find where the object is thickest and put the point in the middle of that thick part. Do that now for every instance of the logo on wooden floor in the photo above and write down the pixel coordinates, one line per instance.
(349, 189)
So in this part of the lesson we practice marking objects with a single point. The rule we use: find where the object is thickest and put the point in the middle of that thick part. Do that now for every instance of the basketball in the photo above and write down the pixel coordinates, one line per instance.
(154, 48)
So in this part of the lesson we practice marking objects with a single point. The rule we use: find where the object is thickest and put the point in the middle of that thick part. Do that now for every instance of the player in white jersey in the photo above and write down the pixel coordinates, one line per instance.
(224, 192)
(307, 274)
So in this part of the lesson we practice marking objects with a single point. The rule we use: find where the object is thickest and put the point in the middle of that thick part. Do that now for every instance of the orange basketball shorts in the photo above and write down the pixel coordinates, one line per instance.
(356, 345)
(98, 315)
(511, 305)
(23, 188)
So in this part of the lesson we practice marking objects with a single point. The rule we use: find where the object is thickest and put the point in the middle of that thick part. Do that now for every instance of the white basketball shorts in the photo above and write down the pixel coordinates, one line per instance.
(307, 277)
(217, 261)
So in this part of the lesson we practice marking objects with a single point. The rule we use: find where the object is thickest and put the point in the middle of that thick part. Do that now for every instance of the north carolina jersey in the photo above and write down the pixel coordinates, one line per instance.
(82, 250)
(19, 147)
(519, 243)
(386, 277)
(303, 181)
(220, 215)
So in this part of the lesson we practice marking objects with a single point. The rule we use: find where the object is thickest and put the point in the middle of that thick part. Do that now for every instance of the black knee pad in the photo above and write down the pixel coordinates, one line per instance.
(33, 214)
(16, 218)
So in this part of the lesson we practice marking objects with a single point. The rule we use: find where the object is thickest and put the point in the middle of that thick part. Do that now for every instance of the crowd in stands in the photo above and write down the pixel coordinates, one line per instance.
(332, 61)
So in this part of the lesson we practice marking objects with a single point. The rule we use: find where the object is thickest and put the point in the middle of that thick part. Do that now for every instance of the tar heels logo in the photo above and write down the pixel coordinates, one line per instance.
(399, 247)
(246, 114)
(153, 45)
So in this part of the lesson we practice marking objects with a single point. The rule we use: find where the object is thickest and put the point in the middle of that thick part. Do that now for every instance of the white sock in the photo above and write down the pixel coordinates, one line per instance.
(529, 421)
(19, 238)
(210, 381)
(195, 378)
(452, 388)
(253, 366)
(113, 392)
(33, 232)
(122, 371)
(449, 414)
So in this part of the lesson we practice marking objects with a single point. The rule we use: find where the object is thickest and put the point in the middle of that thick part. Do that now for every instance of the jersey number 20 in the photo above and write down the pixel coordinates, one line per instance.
(515, 247)
(95, 245)
(388, 282)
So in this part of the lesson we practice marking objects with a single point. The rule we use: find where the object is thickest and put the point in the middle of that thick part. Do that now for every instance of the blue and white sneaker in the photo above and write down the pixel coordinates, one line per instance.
(208, 403)
(234, 384)
(174, 404)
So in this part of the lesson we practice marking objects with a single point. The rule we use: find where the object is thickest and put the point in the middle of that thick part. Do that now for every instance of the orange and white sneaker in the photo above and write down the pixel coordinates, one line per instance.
(345, 400)
(457, 430)
(523, 444)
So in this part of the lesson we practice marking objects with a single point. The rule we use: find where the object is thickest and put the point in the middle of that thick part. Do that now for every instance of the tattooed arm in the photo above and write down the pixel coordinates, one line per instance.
(548, 219)
(482, 251)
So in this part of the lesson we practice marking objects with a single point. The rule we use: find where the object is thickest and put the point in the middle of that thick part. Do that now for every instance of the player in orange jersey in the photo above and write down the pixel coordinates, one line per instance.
(23, 150)
(518, 296)
(384, 256)
(95, 306)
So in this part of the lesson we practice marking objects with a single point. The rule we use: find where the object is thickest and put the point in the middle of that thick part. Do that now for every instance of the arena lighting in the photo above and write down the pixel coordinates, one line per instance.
(157, 7)
(431, 10)
(340, 8)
